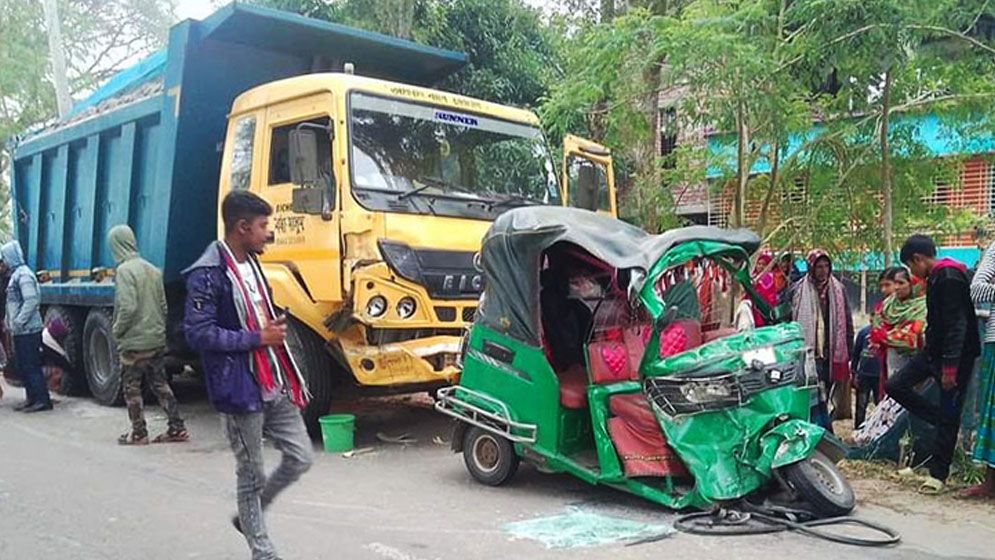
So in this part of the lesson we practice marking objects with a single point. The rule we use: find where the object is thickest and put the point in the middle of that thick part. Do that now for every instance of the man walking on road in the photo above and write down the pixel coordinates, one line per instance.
(25, 325)
(140, 331)
(952, 344)
(250, 374)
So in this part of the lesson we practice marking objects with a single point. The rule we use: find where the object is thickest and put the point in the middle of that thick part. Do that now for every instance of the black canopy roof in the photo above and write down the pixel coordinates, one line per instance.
(514, 245)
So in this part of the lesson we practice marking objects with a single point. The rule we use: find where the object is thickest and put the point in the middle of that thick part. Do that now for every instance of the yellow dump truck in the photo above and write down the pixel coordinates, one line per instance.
(382, 191)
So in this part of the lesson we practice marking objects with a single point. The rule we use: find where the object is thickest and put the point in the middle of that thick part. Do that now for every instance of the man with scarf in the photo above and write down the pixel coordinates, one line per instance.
(952, 344)
(820, 305)
(251, 376)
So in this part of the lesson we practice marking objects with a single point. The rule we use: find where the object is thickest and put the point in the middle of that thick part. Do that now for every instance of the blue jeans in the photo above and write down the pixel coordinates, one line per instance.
(281, 422)
(27, 350)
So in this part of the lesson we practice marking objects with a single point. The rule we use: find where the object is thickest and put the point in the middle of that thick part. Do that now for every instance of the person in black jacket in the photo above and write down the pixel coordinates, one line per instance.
(952, 344)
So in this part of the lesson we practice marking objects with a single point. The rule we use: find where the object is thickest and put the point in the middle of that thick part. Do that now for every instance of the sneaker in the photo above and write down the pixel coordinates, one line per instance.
(38, 407)
(23, 405)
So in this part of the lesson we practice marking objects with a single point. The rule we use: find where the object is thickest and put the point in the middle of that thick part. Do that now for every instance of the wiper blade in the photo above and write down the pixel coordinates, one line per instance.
(513, 200)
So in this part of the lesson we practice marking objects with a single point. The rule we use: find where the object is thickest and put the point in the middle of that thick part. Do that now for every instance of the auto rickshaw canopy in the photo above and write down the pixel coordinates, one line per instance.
(513, 249)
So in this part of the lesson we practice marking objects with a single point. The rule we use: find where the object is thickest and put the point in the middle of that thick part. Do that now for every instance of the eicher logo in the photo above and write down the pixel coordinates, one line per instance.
(456, 119)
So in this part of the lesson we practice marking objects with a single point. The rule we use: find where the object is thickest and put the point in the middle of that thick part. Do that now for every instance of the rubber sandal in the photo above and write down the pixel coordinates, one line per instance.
(131, 438)
(931, 486)
(174, 437)
(907, 472)
(977, 492)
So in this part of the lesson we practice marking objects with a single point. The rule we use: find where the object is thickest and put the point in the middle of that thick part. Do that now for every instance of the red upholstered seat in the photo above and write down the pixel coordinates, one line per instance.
(639, 440)
(573, 387)
(634, 408)
(643, 452)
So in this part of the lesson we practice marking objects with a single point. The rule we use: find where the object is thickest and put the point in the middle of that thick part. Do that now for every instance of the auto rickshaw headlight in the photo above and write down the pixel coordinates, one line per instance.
(406, 307)
(707, 392)
(376, 306)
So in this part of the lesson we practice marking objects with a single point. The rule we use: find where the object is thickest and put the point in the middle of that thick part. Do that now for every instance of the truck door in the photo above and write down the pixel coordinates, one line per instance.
(588, 176)
(306, 239)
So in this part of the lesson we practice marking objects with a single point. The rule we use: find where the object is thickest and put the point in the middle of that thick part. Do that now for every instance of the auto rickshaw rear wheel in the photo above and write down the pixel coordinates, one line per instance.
(818, 481)
(490, 458)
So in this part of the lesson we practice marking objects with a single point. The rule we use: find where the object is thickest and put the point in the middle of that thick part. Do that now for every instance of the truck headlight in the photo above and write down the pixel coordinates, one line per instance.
(376, 306)
(406, 307)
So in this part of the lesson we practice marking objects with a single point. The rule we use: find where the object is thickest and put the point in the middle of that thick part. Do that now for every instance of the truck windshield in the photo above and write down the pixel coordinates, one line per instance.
(418, 158)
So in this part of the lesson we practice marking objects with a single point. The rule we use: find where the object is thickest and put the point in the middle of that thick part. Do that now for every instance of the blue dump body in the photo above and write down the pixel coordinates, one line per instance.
(145, 149)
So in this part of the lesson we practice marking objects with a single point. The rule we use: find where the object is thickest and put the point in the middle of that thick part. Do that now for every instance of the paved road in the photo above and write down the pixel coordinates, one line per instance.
(67, 491)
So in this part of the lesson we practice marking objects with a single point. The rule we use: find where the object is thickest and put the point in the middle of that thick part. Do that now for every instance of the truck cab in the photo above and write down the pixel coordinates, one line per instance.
(381, 194)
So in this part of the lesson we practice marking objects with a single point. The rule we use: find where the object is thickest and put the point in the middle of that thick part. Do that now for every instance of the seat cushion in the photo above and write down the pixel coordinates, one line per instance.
(573, 387)
(635, 409)
(610, 361)
(680, 336)
(644, 452)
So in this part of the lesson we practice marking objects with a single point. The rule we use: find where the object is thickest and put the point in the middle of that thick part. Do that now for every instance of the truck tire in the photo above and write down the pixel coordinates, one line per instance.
(74, 380)
(103, 369)
(318, 369)
(818, 482)
(491, 459)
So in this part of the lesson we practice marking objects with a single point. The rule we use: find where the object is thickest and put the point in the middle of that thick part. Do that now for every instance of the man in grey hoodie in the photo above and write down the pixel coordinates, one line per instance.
(24, 322)
(140, 331)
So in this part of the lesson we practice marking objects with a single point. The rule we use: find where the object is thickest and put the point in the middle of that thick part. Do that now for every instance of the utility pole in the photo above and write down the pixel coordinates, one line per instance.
(57, 54)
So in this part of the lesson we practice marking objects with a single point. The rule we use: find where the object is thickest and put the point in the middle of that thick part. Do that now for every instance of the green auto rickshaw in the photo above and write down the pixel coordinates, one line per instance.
(605, 352)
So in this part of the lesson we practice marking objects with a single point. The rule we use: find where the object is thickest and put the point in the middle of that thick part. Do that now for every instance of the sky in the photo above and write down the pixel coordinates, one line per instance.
(195, 9)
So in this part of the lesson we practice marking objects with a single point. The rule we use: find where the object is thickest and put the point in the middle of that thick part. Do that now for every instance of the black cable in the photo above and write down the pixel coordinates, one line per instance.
(730, 522)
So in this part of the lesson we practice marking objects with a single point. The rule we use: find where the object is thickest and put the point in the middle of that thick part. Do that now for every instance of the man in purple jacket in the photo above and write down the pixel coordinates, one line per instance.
(250, 374)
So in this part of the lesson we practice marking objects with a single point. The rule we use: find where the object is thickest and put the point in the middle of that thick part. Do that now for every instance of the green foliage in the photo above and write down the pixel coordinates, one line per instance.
(759, 73)
(511, 49)
(100, 36)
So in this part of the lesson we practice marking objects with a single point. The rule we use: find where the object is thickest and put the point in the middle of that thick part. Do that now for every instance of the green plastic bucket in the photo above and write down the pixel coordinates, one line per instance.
(336, 432)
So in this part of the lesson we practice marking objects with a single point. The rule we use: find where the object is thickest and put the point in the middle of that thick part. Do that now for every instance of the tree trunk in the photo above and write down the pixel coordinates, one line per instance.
(57, 54)
(607, 10)
(651, 167)
(887, 219)
(775, 151)
(743, 169)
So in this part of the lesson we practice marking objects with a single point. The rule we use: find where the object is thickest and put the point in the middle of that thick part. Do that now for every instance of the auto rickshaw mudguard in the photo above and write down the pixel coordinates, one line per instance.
(789, 442)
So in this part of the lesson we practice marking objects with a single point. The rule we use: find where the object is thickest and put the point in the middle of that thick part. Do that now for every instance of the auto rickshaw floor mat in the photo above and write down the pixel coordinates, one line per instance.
(580, 528)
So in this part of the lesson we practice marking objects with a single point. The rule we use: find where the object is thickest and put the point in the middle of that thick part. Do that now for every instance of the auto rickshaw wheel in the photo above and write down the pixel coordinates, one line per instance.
(490, 458)
(818, 481)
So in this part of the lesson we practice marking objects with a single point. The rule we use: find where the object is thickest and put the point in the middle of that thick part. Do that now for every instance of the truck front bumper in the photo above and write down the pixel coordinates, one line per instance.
(420, 361)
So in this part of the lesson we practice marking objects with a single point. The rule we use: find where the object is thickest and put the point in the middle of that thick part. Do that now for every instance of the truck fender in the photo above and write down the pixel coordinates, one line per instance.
(289, 293)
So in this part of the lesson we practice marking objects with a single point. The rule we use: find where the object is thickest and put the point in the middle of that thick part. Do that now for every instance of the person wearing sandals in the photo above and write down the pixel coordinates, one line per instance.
(952, 342)
(140, 332)
(983, 294)
(249, 371)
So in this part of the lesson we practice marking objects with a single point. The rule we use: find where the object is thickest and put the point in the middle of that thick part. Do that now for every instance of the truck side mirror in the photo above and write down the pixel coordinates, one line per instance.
(314, 191)
(303, 158)
(587, 187)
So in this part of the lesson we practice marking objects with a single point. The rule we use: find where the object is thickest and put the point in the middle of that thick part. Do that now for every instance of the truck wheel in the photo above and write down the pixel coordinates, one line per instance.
(318, 370)
(822, 485)
(491, 459)
(103, 370)
(74, 380)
